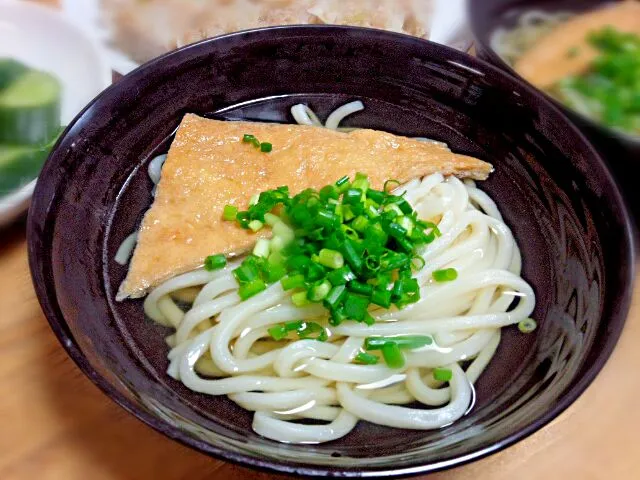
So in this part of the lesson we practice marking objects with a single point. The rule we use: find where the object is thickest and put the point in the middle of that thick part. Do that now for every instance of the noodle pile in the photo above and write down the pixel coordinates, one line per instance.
(308, 391)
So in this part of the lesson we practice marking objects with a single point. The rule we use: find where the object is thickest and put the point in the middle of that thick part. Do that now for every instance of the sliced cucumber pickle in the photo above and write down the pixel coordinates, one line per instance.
(10, 70)
(19, 165)
(30, 109)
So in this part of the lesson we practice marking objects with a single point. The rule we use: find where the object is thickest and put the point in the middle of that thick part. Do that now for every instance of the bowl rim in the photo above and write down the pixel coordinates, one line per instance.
(46, 291)
(488, 54)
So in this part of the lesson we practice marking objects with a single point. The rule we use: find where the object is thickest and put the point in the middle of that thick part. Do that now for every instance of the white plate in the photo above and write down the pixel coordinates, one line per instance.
(449, 27)
(43, 38)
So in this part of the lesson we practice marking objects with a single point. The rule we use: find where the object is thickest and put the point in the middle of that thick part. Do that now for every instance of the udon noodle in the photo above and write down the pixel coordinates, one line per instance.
(308, 391)
(511, 43)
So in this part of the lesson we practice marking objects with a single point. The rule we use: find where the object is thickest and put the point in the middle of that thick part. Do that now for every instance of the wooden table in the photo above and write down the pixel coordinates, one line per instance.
(55, 424)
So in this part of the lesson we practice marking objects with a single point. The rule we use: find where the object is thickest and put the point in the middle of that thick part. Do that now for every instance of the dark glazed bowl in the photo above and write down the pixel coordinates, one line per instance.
(620, 150)
(553, 189)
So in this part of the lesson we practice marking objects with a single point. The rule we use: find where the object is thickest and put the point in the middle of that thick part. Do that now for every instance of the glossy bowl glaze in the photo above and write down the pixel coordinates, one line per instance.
(619, 149)
(554, 191)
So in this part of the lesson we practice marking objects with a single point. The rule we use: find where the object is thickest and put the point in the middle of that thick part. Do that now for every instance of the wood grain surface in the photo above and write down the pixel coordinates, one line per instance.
(55, 424)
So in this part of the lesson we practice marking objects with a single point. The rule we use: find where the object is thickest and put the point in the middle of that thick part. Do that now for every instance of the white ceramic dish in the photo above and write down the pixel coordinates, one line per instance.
(43, 38)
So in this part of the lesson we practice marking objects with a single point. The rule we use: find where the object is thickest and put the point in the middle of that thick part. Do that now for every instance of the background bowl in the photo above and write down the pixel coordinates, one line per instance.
(553, 189)
(619, 149)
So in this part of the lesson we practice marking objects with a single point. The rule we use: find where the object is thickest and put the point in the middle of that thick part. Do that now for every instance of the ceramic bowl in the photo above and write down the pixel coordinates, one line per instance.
(620, 150)
(554, 191)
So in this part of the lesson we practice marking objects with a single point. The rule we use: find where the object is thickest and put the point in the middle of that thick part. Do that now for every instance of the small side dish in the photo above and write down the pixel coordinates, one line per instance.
(590, 62)
(29, 122)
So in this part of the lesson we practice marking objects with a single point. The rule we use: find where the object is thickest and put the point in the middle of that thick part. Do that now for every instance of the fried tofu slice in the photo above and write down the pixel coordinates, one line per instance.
(209, 166)
(566, 50)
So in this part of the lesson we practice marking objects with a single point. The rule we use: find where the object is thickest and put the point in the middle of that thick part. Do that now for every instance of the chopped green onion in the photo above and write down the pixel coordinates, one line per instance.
(342, 245)
(262, 248)
(372, 263)
(527, 325)
(256, 225)
(245, 273)
(283, 231)
(376, 195)
(396, 230)
(406, 223)
(248, 138)
(300, 299)
(344, 180)
(330, 258)
(381, 297)
(341, 276)
(417, 262)
(229, 213)
(291, 282)
(319, 292)
(355, 307)
(251, 288)
(277, 244)
(299, 263)
(271, 219)
(329, 192)
(388, 185)
(360, 224)
(404, 342)
(327, 219)
(315, 272)
(360, 288)
(446, 275)
(366, 358)
(215, 262)
(353, 196)
(392, 355)
(335, 296)
(351, 255)
(274, 272)
(293, 326)
(442, 374)
(266, 147)
(278, 332)
(337, 316)
(393, 208)
(311, 328)
(361, 182)
(368, 319)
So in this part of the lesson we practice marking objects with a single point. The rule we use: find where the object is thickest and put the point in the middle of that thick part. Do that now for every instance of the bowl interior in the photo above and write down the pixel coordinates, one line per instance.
(553, 190)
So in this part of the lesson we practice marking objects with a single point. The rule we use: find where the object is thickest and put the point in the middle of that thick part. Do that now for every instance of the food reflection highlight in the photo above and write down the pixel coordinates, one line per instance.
(308, 378)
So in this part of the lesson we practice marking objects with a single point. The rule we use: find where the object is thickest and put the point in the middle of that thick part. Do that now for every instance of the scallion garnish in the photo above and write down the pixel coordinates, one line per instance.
(347, 246)
(393, 356)
(304, 330)
(249, 289)
(527, 325)
(265, 147)
(366, 359)
(442, 374)
(404, 342)
(446, 275)
(229, 213)
(388, 185)
(215, 262)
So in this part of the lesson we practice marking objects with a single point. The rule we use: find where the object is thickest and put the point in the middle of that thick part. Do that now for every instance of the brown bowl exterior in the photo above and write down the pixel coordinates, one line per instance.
(554, 190)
